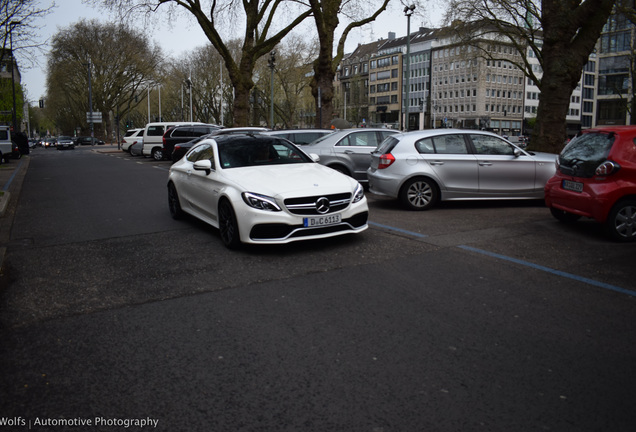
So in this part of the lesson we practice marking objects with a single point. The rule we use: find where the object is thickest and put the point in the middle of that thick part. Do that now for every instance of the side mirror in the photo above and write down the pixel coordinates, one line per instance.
(203, 165)
(314, 157)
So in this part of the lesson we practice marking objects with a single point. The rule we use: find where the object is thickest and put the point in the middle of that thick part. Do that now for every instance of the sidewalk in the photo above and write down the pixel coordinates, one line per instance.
(11, 177)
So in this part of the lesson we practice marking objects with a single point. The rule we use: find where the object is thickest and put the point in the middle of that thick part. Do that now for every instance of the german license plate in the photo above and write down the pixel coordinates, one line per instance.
(572, 186)
(317, 221)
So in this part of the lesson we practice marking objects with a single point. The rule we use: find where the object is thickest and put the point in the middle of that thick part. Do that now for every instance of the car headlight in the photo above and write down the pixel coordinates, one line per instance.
(358, 194)
(260, 202)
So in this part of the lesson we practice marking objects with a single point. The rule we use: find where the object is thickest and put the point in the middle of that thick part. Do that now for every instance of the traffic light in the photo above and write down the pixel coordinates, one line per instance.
(41, 101)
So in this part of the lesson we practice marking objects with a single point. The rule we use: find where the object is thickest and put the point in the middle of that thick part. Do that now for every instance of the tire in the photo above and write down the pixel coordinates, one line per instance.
(563, 216)
(157, 154)
(621, 222)
(419, 194)
(173, 202)
(228, 226)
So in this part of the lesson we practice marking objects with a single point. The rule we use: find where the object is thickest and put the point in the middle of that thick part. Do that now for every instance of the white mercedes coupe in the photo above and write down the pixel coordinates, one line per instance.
(261, 189)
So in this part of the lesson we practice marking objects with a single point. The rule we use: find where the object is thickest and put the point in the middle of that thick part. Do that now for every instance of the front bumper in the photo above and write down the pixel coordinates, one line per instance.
(260, 227)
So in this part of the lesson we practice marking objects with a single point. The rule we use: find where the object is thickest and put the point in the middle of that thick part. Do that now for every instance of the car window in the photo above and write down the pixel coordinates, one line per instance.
(387, 145)
(198, 152)
(425, 146)
(584, 153)
(305, 137)
(155, 131)
(450, 144)
(490, 145)
(182, 132)
(360, 139)
(387, 133)
(199, 131)
(240, 152)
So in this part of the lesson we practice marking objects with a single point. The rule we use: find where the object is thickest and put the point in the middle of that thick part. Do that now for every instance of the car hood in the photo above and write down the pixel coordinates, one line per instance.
(291, 180)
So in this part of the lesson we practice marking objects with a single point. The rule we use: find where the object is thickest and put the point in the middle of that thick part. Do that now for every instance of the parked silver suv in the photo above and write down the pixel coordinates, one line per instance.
(349, 151)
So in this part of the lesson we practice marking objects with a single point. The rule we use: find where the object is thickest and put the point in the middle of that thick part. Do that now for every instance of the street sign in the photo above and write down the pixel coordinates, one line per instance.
(94, 117)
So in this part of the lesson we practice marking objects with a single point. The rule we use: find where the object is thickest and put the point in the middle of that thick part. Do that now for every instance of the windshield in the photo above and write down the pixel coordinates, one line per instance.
(250, 151)
(585, 153)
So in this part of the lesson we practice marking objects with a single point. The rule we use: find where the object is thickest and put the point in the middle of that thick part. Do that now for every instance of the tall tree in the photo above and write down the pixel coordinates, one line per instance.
(18, 25)
(326, 15)
(262, 32)
(122, 62)
(561, 33)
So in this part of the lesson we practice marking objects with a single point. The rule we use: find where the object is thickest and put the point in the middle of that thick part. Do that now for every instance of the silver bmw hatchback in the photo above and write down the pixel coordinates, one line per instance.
(423, 167)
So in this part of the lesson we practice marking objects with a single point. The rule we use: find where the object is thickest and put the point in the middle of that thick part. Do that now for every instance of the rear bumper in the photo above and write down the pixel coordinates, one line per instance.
(593, 202)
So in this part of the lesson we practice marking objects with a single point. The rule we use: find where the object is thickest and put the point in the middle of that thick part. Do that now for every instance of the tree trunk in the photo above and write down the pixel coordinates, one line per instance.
(323, 80)
(571, 30)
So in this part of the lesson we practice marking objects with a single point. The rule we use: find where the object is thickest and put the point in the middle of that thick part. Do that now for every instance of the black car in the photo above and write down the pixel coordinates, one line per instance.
(86, 140)
(182, 134)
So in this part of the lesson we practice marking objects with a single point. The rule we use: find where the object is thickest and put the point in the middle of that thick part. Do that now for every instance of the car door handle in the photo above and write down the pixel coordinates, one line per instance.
(485, 163)
(348, 152)
(437, 163)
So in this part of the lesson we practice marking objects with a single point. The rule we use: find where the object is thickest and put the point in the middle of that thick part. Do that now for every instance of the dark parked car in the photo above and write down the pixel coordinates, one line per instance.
(182, 134)
(86, 140)
(181, 149)
(596, 178)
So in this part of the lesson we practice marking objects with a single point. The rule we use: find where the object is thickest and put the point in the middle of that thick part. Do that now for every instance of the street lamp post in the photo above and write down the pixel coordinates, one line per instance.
(408, 11)
(14, 117)
(90, 103)
(188, 82)
(272, 64)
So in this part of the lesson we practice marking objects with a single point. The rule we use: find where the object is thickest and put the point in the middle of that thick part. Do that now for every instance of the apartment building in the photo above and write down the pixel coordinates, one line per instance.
(453, 84)
(352, 84)
(385, 83)
(9, 72)
(615, 87)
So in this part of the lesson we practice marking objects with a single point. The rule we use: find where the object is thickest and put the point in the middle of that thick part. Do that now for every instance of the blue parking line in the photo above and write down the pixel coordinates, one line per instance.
(553, 271)
(15, 171)
(390, 228)
(518, 261)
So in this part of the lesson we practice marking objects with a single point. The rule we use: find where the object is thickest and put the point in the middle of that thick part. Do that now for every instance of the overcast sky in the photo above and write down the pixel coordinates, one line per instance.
(181, 38)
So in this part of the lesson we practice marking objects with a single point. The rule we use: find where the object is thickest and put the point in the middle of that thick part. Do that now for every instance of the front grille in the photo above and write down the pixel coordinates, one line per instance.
(282, 231)
(306, 206)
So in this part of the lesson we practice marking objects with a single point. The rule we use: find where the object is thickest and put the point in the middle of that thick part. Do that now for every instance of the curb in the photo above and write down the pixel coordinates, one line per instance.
(5, 197)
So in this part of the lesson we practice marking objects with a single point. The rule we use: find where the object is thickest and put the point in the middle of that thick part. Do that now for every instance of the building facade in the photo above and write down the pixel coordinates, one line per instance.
(453, 84)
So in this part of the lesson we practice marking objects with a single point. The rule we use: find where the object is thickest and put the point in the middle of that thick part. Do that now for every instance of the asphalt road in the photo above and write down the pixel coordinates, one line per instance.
(469, 317)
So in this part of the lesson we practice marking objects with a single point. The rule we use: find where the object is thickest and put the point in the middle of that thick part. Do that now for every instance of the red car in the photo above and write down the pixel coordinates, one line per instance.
(596, 178)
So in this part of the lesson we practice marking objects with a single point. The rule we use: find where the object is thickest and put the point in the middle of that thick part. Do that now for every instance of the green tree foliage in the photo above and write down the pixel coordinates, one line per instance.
(122, 64)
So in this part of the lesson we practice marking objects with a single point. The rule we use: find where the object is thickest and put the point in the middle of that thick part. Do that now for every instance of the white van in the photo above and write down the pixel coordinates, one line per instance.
(6, 146)
(153, 137)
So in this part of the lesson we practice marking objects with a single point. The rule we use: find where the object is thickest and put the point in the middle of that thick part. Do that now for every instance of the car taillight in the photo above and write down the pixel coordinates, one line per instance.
(386, 160)
(607, 168)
